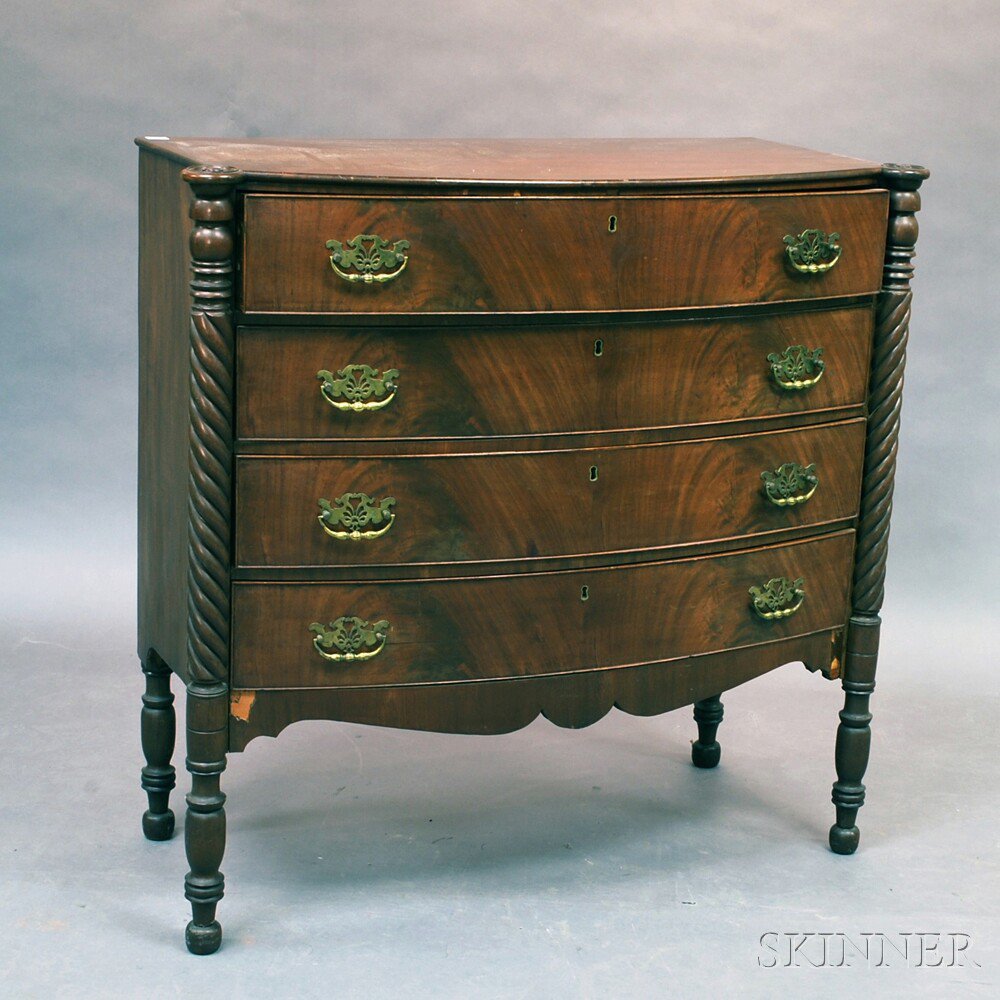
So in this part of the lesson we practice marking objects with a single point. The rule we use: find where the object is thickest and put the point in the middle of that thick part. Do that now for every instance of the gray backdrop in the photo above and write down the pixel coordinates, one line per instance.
(905, 82)
(909, 82)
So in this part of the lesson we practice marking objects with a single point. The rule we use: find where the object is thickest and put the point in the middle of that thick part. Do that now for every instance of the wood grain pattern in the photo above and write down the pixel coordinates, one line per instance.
(502, 381)
(734, 163)
(556, 254)
(570, 700)
(523, 505)
(493, 627)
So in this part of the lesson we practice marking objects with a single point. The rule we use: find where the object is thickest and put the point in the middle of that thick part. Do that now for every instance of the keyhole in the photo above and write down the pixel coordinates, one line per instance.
(598, 348)
(593, 473)
(585, 593)
(613, 224)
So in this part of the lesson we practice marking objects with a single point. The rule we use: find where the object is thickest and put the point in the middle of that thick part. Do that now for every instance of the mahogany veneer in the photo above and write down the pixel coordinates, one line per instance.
(537, 623)
(562, 254)
(504, 381)
(535, 504)
(594, 423)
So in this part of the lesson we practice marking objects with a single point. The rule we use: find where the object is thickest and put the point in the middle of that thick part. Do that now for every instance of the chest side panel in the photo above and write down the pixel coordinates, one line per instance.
(164, 388)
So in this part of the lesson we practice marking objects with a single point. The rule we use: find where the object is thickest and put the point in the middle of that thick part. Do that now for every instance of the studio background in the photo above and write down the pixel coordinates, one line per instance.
(914, 82)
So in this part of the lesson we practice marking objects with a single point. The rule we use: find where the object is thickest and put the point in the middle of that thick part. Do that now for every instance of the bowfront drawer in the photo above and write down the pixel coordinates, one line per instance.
(524, 505)
(332, 635)
(328, 254)
(302, 384)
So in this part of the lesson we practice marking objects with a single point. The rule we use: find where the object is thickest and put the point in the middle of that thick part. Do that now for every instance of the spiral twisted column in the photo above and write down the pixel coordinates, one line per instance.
(210, 447)
(892, 324)
(210, 437)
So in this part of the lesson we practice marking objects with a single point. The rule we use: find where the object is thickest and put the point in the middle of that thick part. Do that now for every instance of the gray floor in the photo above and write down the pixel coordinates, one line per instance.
(547, 863)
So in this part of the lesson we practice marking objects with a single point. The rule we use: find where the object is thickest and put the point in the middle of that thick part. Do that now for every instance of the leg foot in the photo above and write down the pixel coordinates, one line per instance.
(205, 820)
(705, 751)
(158, 728)
(844, 840)
(203, 939)
(854, 732)
(158, 826)
(705, 755)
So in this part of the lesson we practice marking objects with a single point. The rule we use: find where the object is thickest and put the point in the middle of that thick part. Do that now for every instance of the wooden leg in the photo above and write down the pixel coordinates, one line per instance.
(205, 821)
(158, 728)
(885, 387)
(854, 733)
(705, 751)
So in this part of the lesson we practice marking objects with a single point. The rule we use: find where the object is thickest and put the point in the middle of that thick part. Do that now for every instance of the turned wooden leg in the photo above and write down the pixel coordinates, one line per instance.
(205, 821)
(854, 733)
(705, 751)
(885, 386)
(158, 727)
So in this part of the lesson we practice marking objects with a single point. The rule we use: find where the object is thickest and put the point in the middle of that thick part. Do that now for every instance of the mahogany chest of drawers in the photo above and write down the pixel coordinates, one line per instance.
(444, 435)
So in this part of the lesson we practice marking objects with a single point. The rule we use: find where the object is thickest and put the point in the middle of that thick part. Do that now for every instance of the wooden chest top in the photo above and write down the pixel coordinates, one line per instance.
(681, 163)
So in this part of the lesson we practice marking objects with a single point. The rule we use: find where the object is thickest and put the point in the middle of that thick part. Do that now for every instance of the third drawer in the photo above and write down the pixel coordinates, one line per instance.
(453, 508)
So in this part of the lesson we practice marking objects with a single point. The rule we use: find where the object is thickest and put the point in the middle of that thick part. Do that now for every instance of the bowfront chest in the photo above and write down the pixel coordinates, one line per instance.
(444, 435)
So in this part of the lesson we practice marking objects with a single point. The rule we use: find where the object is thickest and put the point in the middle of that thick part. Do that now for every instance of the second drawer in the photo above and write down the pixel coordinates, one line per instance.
(513, 381)
(409, 509)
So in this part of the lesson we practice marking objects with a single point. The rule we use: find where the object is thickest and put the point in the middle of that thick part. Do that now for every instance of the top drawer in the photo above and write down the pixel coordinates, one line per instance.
(552, 254)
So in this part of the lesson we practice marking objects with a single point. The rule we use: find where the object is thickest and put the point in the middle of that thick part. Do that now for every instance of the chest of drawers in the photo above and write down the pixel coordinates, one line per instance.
(445, 435)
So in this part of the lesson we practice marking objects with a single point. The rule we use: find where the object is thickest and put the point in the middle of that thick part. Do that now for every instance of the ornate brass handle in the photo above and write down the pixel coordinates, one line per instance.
(361, 387)
(812, 251)
(778, 598)
(351, 638)
(789, 484)
(797, 367)
(370, 256)
(349, 515)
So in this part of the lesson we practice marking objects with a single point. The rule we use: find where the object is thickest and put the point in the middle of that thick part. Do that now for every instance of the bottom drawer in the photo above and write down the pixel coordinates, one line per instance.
(533, 624)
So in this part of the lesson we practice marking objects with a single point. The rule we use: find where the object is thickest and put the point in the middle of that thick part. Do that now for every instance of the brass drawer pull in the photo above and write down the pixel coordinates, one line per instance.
(812, 251)
(350, 515)
(370, 256)
(361, 387)
(789, 484)
(352, 638)
(778, 598)
(797, 367)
